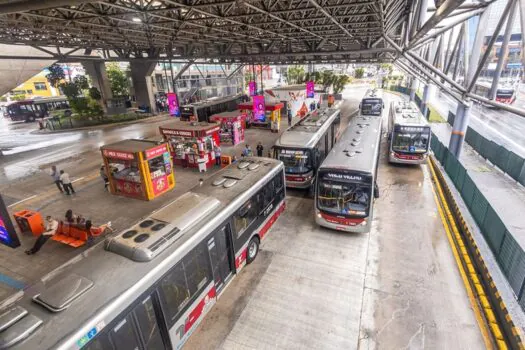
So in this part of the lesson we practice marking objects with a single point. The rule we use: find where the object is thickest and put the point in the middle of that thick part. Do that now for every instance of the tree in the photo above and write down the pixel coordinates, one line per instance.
(340, 82)
(81, 82)
(3, 99)
(295, 75)
(71, 90)
(95, 94)
(387, 67)
(359, 73)
(118, 80)
(56, 75)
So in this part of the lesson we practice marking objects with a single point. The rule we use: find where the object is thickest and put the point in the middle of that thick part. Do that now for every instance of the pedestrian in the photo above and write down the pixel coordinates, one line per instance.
(55, 174)
(260, 149)
(318, 104)
(217, 151)
(289, 114)
(50, 229)
(104, 177)
(66, 182)
(247, 152)
(234, 159)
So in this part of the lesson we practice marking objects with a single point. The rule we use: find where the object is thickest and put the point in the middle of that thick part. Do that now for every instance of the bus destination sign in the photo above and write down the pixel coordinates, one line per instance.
(419, 129)
(339, 176)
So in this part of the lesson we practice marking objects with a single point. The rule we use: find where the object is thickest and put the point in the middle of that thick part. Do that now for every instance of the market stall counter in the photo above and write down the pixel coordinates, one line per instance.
(192, 143)
(232, 125)
(138, 168)
(272, 118)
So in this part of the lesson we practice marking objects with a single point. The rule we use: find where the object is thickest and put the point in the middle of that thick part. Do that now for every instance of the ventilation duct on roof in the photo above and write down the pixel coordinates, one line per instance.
(16, 324)
(59, 294)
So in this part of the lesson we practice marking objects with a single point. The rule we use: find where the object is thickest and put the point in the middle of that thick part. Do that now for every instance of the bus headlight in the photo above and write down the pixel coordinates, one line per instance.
(363, 223)
(319, 215)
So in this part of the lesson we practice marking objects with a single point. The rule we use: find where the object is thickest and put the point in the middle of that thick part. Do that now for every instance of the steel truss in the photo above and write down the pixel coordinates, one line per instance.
(240, 31)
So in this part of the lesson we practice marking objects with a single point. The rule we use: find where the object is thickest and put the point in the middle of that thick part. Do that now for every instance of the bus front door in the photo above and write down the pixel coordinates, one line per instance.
(220, 248)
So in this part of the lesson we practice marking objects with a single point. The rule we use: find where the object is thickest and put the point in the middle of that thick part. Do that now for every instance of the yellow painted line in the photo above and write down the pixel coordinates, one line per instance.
(485, 333)
(53, 191)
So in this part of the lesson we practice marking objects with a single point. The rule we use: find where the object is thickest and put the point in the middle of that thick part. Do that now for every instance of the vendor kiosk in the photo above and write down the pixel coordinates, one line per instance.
(273, 115)
(192, 143)
(138, 168)
(232, 125)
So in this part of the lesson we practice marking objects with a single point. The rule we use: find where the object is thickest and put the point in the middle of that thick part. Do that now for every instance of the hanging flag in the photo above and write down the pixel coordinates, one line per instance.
(310, 87)
(259, 113)
(252, 85)
(173, 104)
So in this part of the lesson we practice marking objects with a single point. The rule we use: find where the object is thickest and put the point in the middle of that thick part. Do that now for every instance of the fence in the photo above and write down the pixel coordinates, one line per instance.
(508, 161)
(508, 252)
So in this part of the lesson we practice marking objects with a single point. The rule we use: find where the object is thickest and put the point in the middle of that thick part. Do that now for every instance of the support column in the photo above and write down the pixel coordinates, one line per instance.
(96, 70)
(459, 129)
(413, 89)
(426, 97)
(142, 87)
(478, 43)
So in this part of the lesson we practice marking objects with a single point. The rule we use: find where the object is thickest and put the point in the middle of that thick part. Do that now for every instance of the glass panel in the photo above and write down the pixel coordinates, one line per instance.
(174, 292)
(415, 142)
(244, 217)
(197, 268)
(123, 336)
(295, 161)
(101, 342)
(147, 321)
(371, 106)
(343, 198)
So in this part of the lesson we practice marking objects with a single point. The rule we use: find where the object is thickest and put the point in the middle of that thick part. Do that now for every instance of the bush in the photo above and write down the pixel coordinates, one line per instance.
(359, 73)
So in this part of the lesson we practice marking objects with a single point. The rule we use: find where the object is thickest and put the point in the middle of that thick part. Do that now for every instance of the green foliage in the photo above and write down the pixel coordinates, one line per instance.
(3, 99)
(386, 67)
(359, 73)
(71, 90)
(86, 107)
(340, 82)
(95, 94)
(81, 82)
(295, 75)
(118, 80)
(56, 75)
(20, 97)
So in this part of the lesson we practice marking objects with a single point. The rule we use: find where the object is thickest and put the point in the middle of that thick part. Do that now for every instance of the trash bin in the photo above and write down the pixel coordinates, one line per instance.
(29, 221)
(202, 164)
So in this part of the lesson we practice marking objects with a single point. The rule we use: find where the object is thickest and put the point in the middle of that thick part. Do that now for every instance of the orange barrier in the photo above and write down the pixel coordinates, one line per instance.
(70, 235)
(30, 221)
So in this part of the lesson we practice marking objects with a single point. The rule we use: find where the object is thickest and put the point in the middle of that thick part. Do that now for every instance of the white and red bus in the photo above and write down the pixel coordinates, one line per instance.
(346, 185)
(150, 285)
(505, 93)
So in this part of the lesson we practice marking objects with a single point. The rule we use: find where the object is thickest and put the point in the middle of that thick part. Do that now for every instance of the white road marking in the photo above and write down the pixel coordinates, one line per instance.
(80, 178)
(23, 200)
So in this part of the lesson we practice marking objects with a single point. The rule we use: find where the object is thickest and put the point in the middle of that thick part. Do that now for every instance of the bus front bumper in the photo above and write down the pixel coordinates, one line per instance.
(407, 159)
(301, 182)
(357, 225)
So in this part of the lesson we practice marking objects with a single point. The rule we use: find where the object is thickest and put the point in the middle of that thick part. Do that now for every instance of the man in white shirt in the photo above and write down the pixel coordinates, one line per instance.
(51, 229)
(66, 182)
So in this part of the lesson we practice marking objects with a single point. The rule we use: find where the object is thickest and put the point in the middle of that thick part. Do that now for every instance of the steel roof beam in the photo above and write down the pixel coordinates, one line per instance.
(31, 5)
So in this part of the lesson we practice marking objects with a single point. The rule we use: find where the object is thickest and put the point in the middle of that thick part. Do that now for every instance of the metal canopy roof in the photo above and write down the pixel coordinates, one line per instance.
(270, 31)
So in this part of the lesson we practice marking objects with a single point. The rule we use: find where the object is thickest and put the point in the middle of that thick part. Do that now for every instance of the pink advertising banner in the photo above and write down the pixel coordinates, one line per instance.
(252, 85)
(258, 108)
(173, 104)
(310, 87)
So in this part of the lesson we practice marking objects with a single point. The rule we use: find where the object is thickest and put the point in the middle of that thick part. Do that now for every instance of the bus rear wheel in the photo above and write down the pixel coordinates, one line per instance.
(253, 250)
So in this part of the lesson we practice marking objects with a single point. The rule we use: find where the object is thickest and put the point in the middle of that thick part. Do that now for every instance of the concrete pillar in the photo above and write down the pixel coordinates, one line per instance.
(413, 89)
(426, 97)
(96, 70)
(459, 129)
(142, 87)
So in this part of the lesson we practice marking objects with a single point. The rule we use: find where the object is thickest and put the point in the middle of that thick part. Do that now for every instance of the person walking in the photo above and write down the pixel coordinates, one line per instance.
(289, 114)
(66, 182)
(55, 174)
(217, 150)
(50, 229)
(259, 149)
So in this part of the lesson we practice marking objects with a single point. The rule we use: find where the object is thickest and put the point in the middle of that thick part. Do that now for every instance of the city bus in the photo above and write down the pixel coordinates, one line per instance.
(505, 93)
(305, 145)
(346, 181)
(30, 110)
(203, 110)
(408, 133)
(372, 103)
(150, 285)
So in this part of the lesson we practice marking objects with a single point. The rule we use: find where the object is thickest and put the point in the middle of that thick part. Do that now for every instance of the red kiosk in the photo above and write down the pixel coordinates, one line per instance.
(273, 114)
(192, 143)
(232, 124)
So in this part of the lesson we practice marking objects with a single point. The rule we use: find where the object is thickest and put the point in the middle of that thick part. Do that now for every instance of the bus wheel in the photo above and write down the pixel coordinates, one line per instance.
(253, 250)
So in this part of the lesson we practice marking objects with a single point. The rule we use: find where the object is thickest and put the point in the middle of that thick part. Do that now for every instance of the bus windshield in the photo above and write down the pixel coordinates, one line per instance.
(371, 106)
(411, 139)
(342, 196)
(295, 161)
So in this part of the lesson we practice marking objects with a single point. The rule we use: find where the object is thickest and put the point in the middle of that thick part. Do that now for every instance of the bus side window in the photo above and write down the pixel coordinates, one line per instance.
(245, 216)
(123, 335)
(100, 342)
(174, 293)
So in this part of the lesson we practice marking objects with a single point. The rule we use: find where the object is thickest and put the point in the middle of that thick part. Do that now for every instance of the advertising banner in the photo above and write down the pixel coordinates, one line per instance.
(173, 104)
(258, 108)
(252, 85)
(156, 151)
(310, 87)
(8, 234)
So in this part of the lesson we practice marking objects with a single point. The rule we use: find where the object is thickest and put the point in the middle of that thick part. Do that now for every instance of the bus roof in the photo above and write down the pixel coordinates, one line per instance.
(39, 100)
(117, 279)
(357, 148)
(373, 93)
(307, 132)
(407, 113)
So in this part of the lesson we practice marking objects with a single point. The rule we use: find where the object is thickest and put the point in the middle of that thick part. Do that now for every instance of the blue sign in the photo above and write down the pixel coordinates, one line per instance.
(8, 234)
(412, 149)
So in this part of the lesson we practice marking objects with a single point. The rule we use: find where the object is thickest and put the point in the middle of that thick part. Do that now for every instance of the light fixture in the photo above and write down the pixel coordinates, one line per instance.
(136, 19)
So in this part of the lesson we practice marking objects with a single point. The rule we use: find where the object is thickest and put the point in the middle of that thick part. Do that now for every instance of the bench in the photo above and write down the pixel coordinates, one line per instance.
(70, 235)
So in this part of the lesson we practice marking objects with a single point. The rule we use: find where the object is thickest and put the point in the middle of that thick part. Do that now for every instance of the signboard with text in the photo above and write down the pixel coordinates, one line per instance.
(259, 112)
(310, 89)
(252, 86)
(173, 104)
(8, 234)
(155, 152)
(118, 155)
